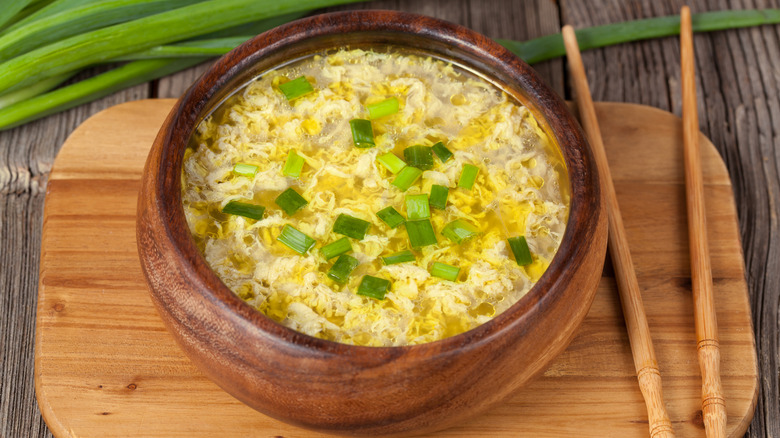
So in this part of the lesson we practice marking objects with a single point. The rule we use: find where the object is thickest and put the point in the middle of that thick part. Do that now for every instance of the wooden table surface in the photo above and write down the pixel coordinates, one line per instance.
(738, 81)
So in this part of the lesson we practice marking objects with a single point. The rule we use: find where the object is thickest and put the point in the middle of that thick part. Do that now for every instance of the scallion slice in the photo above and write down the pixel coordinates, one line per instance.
(237, 208)
(420, 157)
(296, 88)
(336, 248)
(420, 233)
(391, 162)
(290, 201)
(391, 217)
(438, 198)
(373, 287)
(441, 151)
(351, 226)
(467, 176)
(296, 240)
(362, 133)
(344, 266)
(383, 108)
(406, 177)
(293, 165)
(417, 207)
(399, 257)
(248, 170)
(521, 251)
(445, 271)
(459, 230)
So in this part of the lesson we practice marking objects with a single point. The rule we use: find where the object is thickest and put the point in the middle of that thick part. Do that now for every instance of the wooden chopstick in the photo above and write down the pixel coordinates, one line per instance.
(713, 404)
(633, 309)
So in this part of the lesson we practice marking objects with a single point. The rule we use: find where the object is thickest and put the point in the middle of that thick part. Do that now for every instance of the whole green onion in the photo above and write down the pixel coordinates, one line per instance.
(438, 198)
(237, 208)
(373, 287)
(296, 240)
(445, 271)
(459, 231)
(399, 257)
(420, 157)
(420, 233)
(417, 207)
(294, 165)
(290, 201)
(344, 266)
(383, 108)
(520, 250)
(441, 151)
(336, 248)
(351, 226)
(296, 88)
(362, 133)
(406, 177)
(10, 8)
(391, 162)
(391, 217)
(41, 9)
(243, 169)
(467, 176)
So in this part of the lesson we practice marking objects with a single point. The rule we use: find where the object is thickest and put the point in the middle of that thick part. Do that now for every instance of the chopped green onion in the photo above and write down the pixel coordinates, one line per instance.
(344, 266)
(296, 240)
(468, 176)
(420, 157)
(293, 165)
(290, 201)
(237, 208)
(391, 217)
(373, 287)
(520, 250)
(248, 170)
(420, 233)
(383, 108)
(391, 162)
(459, 230)
(351, 226)
(399, 257)
(417, 207)
(336, 248)
(442, 152)
(406, 177)
(296, 88)
(362, 133)
(438, 198)
(445, 271)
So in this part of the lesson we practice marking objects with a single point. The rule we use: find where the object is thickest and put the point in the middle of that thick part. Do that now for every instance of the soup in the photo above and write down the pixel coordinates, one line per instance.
(375, 198)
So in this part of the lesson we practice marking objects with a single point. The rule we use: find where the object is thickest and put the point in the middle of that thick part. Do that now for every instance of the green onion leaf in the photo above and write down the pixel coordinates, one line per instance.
(391, 162)
(296, 240)
(362, 133)
(420, 157)
(293, 165)
(373, 287)
(417, 207)
(344, 266)
(420, 233)
(296, 88)
(248, 170)
(459, 231)
(237, 208)
(399, 257)
(520, 250)
(391, 217)
(336, 248)
(290, 201)
(445, 271)
(468, 176)
(383, 108)
(351, 226)
(438, 198)
(406, 177)
(442, 152)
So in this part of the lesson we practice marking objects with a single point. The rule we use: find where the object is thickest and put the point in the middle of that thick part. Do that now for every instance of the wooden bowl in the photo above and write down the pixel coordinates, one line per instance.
(341, 388)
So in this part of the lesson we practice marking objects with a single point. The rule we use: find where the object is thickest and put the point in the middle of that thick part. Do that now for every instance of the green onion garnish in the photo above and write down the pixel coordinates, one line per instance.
(351, 226)
(445, 271)
(237, 208)
(336, 248)
(459, 231)
(438, 198)
(296, 240)
(391, 217)
(468, 176)
(248, 170)
(296, 88)
(293, 165)
(520, 250)
(406, 177)
(391, 162)
(383, 108)
(420, 233)
(420, 157)
(373, 287)
(362, 133)
(344, 266)
(399, 257)
(290, 201)
(441, 151)
(417, 207)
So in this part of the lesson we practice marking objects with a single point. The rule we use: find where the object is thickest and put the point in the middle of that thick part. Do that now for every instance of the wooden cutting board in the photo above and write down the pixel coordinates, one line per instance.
(106, 366)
